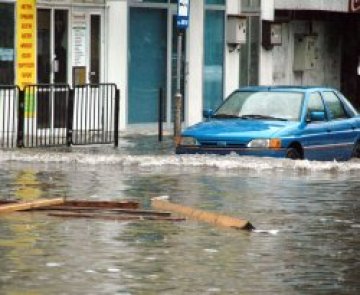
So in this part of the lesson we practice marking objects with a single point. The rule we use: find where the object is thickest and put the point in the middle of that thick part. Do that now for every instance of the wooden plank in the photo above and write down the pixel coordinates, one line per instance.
(115, 217)
(209, 217)
(21, 206)
(109, 210)
(102, 204)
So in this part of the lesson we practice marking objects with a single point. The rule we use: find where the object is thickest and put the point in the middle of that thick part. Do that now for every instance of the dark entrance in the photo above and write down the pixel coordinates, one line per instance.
(350, 77)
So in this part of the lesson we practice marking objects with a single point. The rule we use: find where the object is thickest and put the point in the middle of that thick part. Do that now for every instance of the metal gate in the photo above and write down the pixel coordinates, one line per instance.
(9, 104)
(95, 114)
(57, 115)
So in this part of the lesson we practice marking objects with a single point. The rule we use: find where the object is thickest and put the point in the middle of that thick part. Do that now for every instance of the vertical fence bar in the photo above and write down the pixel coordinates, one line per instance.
(20, 125)
(160, 114)
(70, 116)
(116, 117)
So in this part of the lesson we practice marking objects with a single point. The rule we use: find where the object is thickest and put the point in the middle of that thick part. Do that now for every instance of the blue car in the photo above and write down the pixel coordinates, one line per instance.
(314, 123)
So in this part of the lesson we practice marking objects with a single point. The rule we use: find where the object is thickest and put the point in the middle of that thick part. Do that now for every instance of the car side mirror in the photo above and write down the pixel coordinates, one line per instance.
(317, 116)
(208, 113)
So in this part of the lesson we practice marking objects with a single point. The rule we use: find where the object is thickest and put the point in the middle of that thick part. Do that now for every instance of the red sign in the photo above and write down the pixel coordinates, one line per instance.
(354, 5)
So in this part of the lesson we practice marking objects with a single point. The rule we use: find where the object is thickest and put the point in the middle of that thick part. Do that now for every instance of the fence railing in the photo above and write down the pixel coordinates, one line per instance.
(56, 114)
(9, 103)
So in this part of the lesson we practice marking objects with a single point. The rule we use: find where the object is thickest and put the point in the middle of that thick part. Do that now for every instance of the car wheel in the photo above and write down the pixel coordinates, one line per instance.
(356, 151)
(293, 154)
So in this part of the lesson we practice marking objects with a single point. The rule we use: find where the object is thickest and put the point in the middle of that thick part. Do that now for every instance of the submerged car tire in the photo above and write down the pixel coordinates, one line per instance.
(293, 154)
(356, 151)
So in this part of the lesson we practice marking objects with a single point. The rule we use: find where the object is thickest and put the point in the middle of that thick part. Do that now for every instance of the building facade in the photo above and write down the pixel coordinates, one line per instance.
(133, 43)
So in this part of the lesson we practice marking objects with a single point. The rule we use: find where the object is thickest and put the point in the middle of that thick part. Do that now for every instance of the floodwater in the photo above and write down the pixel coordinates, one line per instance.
(306, 214)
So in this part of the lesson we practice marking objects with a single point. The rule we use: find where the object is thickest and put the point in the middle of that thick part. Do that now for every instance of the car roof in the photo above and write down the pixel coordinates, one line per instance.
(286, 88)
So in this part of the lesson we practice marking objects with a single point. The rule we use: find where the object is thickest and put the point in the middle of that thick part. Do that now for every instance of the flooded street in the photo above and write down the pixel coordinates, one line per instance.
(306, 214)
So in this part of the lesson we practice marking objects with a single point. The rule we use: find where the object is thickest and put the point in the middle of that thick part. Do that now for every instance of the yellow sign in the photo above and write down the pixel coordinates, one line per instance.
(26, 42)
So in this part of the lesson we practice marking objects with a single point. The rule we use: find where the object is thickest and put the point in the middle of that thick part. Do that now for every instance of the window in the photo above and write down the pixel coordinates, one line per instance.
(315, 103)
(7, 22)
(214, 57)
(334, 105)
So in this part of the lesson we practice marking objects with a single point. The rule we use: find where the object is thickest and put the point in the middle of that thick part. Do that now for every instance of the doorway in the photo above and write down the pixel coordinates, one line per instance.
(152, 63)
(52, 66)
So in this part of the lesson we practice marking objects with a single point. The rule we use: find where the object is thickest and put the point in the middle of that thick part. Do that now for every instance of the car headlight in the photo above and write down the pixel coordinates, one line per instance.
(185, 140)
(274, 143)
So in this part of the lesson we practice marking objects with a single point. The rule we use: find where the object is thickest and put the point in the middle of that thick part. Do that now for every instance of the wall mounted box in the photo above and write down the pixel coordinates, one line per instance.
(236, 30)
(305, 52)
(271, 34)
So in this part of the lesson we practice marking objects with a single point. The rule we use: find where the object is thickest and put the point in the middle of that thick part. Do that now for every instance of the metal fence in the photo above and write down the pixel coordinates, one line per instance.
(57, 115)
(9, 104)
(95, 108)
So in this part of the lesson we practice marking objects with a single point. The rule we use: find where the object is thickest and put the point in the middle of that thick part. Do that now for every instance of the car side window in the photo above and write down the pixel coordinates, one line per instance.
(334, 105)
(315, 103)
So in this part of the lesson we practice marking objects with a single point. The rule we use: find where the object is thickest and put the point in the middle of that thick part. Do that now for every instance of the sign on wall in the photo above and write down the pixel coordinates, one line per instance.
(26, 42)
(354, 5)
(79, 40)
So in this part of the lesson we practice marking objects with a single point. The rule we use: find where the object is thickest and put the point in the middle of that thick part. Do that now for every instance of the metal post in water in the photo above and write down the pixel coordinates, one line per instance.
(161, 114)
(116, 119)
(178, 95)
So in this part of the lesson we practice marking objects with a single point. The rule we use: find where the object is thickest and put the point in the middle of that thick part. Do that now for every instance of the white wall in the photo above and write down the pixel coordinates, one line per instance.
(117, 36)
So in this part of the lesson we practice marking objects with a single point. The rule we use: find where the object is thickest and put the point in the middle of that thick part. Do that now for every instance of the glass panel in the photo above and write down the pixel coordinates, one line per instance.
(95, 49)
(43, 66)
(214, 58)
(61, 46)
(43, 46)
(219, 2)
(154, 1)
(250, 5)
(315, 103)
(7, 43)
(334, 104)
(262, 105)
(147, 70)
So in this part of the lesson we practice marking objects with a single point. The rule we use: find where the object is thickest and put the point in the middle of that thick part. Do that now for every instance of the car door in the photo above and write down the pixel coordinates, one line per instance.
(316, 138)
(342, 134)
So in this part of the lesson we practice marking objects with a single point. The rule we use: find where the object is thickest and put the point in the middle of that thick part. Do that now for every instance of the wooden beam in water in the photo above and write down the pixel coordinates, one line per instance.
(21, 206)
(213, 218)
(115, 217)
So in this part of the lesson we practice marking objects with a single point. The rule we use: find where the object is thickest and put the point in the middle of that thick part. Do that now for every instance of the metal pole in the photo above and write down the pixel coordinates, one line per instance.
(161, 114)
(178, 95)
(116, 119)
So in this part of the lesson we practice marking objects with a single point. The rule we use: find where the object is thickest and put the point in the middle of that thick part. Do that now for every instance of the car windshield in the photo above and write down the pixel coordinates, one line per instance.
(262, 105)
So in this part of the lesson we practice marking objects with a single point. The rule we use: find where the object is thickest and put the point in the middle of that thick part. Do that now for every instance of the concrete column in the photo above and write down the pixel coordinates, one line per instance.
(232, 70)
(116, 49)
(195, 48)
(266, 56)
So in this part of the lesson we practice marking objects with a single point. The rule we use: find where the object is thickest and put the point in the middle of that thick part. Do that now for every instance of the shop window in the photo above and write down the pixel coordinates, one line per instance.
(7, 53)
(250, 5)
(218, 2)
(214, 58)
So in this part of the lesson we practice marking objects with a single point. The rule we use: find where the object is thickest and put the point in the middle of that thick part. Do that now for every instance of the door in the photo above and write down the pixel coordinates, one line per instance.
(152, 63)
(147, 69)
(52, 66)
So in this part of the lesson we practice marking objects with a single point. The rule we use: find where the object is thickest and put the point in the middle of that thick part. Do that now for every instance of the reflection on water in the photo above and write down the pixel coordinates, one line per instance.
(312, 207)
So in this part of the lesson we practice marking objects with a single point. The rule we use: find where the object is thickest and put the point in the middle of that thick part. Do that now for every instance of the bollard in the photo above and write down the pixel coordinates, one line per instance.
(161, 114)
